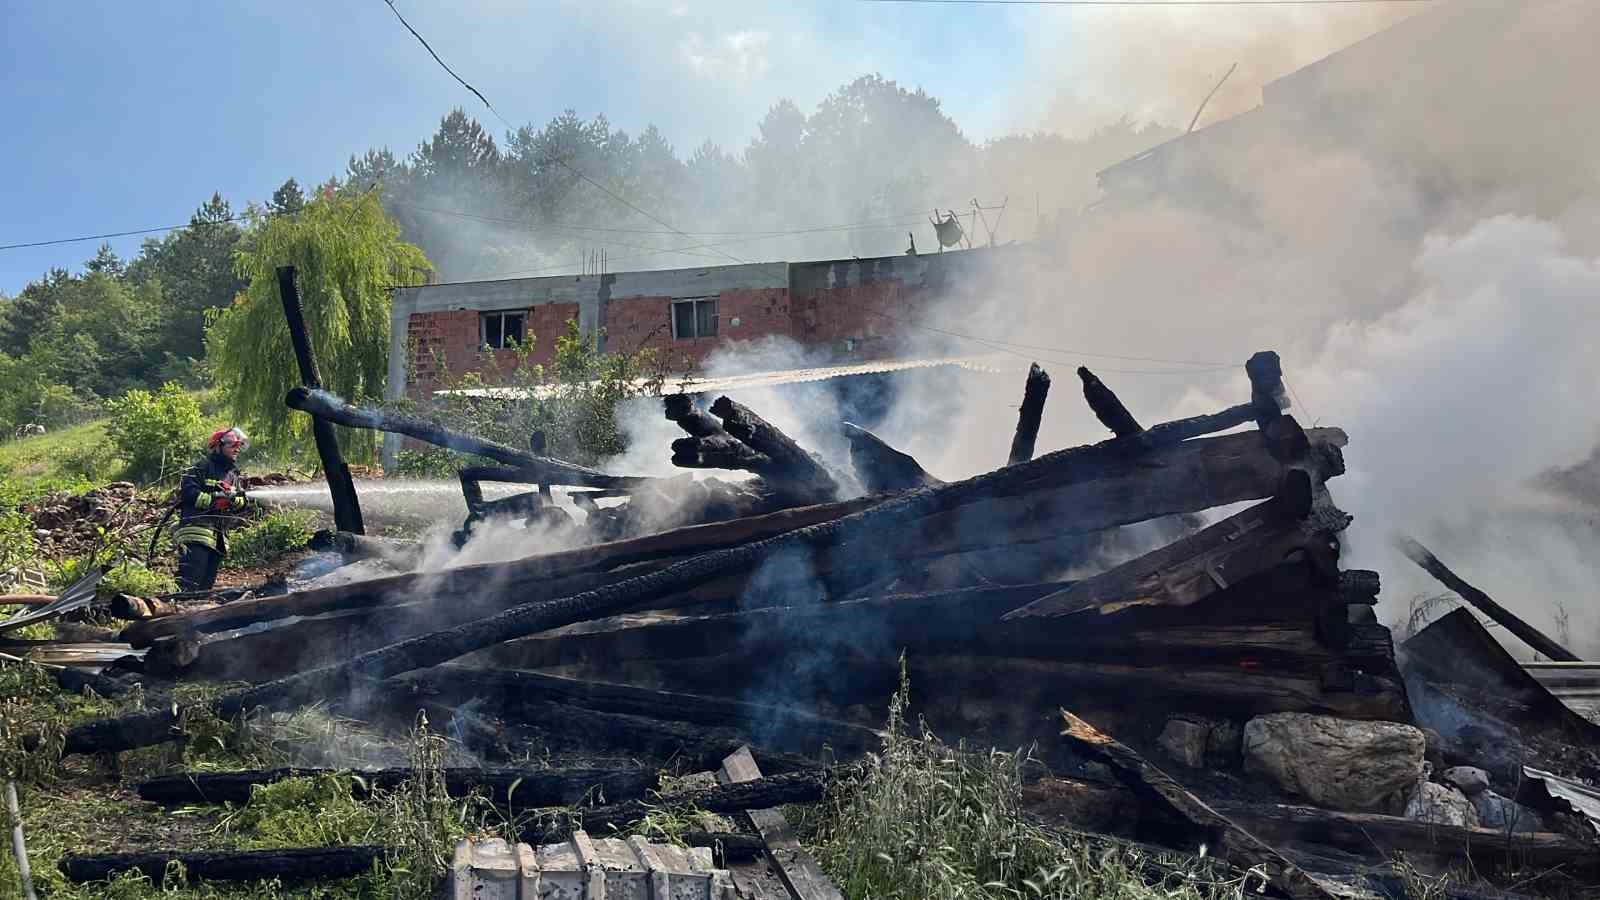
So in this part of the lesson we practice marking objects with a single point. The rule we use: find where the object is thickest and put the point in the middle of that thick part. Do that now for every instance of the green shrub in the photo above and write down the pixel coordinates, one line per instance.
(282, 531)
(129, 577)
(156, 433)
(16, 539)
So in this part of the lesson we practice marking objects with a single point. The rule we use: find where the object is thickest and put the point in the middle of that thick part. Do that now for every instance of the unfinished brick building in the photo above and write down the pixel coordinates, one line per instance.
(844, 311)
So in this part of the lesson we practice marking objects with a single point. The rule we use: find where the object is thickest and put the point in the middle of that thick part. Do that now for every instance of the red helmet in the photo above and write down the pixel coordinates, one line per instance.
(226, 437)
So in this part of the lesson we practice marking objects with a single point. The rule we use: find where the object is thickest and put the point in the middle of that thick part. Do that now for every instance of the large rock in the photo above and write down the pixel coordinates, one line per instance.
(1335, 763)
(1504, 814)
(1201, 741)
(1471, 780)
(1441, 805)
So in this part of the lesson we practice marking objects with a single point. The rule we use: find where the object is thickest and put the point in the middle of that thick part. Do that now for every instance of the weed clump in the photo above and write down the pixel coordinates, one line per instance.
(282, 531)
(921, 820)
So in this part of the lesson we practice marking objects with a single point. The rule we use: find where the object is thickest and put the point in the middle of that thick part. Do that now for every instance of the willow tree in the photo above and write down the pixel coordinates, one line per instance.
(348, 255)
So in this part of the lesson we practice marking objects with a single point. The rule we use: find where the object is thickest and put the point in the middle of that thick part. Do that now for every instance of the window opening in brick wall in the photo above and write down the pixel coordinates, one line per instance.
(694, 318)
(500, 330)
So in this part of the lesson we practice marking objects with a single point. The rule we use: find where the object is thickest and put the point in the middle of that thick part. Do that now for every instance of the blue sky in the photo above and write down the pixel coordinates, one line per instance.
(125, 115)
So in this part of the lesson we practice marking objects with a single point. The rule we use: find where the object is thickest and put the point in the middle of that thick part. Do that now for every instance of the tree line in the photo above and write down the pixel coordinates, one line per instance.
(849, 178)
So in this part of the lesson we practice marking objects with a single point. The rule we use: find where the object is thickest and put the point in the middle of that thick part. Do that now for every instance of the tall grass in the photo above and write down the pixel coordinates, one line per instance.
(922, 820)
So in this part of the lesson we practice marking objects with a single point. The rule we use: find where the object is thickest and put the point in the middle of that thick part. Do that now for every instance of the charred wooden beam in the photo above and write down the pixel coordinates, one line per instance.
(696, 422)
(514, 577)
(1106, 406)
(1529, 635)
(1063, 466)
(1179, 574)
(796, 468)
(732, 846)
(1267, 397)
(445, 691)
(762, 793)
(720, 451)
(329, 407)
(290, 864)
(524, 787)
(1379, 836)
(1222, 836)
(1008, 537)
(1359, 586)
(346, 506)
(1031, 412)
(880, 467)
(802, 730)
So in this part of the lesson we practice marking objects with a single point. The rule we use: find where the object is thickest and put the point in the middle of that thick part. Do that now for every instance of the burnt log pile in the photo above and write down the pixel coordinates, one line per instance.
(1241, 670)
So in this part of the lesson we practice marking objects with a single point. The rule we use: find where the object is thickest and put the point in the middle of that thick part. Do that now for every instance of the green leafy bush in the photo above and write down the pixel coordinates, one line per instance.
(130, 577)
(156, 433)
(16, 539)
(280, 532)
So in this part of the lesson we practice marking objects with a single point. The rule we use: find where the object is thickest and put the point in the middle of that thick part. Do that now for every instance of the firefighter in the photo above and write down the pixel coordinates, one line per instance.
(210, 497)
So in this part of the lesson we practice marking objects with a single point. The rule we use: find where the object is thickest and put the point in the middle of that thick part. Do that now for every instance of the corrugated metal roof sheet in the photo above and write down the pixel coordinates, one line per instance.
(994, 364)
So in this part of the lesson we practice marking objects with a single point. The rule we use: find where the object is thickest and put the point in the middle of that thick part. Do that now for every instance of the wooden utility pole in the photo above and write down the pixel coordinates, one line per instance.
(346, 508)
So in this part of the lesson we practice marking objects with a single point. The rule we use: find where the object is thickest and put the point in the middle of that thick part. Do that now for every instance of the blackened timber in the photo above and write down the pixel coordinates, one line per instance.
(789, 727)
(880, 467)
(329, 407)
(1193, 568)
(1223, 837)
(288, 864)
(1106, 406)
(773, 790)
(733, 846)
(1529, 635)
(1365, 833)
(1061, 467)
(1044, 529)
(346, 507)
(1031, 412)
(517, 576)
(563, 726)
(1267, 398)
(524, 787)
(696, 422)
(720, 451)
(793, 466)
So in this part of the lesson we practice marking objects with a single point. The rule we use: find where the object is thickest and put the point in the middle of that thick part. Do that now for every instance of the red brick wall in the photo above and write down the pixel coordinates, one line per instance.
(454, 335)
(869, 315)
(637, 322)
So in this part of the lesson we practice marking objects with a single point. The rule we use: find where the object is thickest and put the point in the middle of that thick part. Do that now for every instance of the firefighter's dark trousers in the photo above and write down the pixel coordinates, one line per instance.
(197, 567)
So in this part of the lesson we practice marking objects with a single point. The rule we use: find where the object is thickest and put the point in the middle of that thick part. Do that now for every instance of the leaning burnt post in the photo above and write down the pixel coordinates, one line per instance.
(1530, 635)
(1033, 397)
(346, 508)
(1107, 408)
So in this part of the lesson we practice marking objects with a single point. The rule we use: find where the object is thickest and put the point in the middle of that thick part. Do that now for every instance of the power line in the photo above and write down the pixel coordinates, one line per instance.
(556, 159)
(113, 234)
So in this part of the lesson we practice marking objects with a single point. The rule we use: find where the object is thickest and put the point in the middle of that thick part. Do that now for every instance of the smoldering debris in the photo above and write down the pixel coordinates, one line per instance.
(1254, 698)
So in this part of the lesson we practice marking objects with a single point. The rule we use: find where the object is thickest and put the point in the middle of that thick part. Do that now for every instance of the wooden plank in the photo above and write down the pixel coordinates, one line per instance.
(1189, 570)
(799, 871)
(289, 864)
(1222, 836)
(1529, 635)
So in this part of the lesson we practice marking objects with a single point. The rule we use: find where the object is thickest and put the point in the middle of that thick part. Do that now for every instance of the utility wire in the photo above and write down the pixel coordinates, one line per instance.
(556, 159)
(112, 234)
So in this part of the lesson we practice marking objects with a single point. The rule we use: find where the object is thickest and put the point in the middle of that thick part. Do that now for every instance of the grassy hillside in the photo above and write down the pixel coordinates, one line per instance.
(74, 458)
